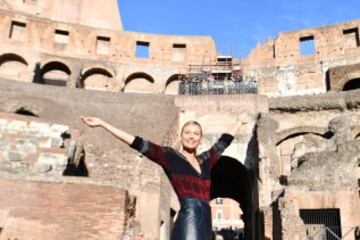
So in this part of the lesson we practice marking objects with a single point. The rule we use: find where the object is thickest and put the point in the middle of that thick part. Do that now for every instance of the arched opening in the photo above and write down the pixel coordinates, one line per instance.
(227, 218)
(12, 66)
(292, 147)
(139, 82)
(172, 84)
(26, 112)
(96, 79)
(54, 73)
(352, 84)
(230, 179)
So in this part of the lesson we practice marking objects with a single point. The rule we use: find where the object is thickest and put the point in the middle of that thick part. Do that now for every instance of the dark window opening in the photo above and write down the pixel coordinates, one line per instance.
(179, 52)
(142, 49)
(178, 45)
(352, 85)
(353, 35)
(17, 30)
(103, 45)
(322, 220)
(307, 45)
(61, 36)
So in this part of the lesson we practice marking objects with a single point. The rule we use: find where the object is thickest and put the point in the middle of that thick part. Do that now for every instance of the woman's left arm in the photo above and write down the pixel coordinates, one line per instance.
(241, 121)
(213, 155)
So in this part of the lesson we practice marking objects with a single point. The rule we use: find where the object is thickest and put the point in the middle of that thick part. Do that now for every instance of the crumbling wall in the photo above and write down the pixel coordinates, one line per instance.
(36, 49)
(106, 160)
(309, 156)
(284, 68)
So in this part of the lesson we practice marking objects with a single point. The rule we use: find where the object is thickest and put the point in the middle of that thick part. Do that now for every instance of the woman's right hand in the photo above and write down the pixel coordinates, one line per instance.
(92, 121)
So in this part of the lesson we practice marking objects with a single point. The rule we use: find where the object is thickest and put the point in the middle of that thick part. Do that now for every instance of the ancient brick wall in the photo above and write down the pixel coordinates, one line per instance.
(65, 54)
(59, 210)
(287, 66)
(32, 146)
(107, 161)
(77, 12)
(308, 154)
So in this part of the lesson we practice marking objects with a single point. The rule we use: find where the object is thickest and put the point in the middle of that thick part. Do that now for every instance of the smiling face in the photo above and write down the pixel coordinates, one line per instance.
(191, 135)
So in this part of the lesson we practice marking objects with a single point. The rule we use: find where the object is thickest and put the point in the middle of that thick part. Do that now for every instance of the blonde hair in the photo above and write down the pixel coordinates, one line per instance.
(191, 123)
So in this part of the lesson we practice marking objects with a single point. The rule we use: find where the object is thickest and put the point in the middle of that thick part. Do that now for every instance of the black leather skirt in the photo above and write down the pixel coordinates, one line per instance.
(193, 221)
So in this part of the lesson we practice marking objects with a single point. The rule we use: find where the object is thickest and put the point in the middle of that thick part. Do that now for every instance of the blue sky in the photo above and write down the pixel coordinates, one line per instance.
(235, 25)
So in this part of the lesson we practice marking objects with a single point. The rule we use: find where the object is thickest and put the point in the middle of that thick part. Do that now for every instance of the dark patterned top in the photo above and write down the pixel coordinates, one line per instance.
(186, 181)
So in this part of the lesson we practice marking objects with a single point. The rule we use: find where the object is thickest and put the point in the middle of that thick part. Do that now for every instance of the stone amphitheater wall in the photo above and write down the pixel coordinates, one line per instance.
(298, 62)
(108, 57)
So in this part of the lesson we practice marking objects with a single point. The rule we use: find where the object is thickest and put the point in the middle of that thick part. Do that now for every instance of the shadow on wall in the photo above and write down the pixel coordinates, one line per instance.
(78, 167)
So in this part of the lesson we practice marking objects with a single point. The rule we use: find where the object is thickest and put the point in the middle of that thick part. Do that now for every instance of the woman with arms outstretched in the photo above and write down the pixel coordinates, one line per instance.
(189, 173)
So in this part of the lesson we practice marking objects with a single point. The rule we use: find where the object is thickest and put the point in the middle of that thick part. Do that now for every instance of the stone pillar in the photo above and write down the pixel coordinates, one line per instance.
(75, 77)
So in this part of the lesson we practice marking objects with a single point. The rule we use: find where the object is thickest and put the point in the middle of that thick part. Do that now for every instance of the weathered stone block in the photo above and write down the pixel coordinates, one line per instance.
(26, 146)
(52, 159)
(42, 168)
(46, 143)
(3, 124)
(56, 142)
(14, 156)
(59, 129)
(16, 126)
(39, 128)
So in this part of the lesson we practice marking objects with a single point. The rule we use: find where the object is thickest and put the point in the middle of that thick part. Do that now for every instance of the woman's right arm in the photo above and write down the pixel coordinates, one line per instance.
(153, 151)
(118, 133)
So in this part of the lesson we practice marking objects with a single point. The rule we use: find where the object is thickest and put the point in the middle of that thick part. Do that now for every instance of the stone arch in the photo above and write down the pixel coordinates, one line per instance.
(293, 132)
(285, 145)
(352, 84)
(231, 179)
(96, 78)
(54, 73)
(139, 82)
(350, 81)
(12, 66)
(172, 84)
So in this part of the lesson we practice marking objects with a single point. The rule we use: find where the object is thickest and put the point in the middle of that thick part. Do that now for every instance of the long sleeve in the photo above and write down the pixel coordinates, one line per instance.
(213, 155)
(152, 151)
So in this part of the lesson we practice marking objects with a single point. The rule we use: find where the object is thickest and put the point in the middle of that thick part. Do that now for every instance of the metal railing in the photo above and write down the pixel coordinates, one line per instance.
(225, 87)
(322, 232)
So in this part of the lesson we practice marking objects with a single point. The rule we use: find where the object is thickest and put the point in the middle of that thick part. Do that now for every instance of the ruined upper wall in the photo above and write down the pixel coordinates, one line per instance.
(330, 42)
(113, 57)
(101, 14)
(298, 62)
(22, 33)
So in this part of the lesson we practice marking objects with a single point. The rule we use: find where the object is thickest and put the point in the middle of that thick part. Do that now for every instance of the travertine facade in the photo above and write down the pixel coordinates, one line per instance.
(298, 156)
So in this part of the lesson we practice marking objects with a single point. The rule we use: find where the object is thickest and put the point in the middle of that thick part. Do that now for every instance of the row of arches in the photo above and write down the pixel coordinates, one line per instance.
(59, 73)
